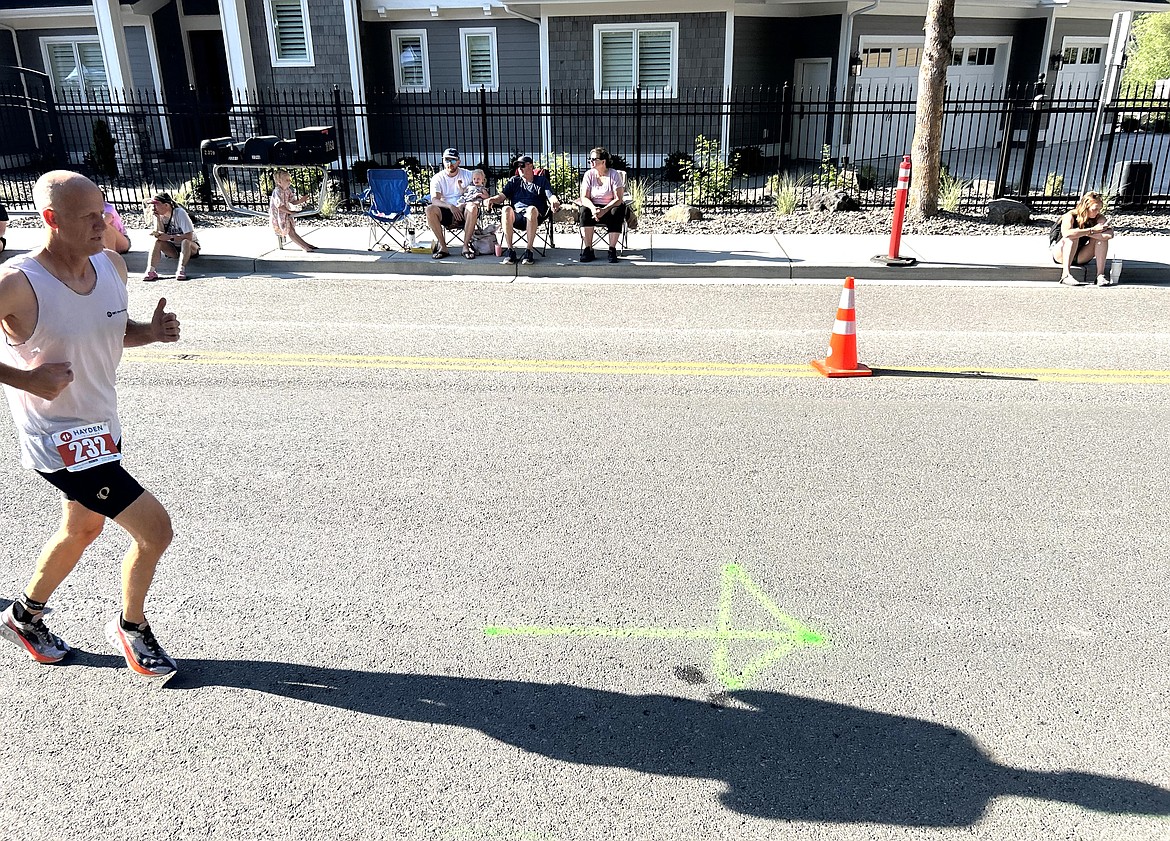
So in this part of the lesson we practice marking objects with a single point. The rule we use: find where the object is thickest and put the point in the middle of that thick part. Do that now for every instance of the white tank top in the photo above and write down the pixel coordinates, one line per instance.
(85, 330)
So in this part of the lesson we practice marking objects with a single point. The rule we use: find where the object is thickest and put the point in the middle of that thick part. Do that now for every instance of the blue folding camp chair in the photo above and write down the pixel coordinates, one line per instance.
(387, 204)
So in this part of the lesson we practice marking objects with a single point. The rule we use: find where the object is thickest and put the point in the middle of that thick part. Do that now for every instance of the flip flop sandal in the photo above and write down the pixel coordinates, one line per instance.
(439, 255)
(469, 253)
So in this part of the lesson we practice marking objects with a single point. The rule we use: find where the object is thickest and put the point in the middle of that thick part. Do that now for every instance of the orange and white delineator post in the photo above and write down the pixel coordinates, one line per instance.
(842, 358)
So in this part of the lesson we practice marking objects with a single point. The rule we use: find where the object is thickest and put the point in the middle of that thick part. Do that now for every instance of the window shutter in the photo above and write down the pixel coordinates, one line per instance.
(479, 61)
(94, 69)
(63, 68)
(289, 22)
(617, 61)
(410, 61)
(654, 59)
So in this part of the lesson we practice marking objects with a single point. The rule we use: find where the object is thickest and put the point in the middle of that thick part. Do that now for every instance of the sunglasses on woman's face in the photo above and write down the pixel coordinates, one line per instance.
(597, 159)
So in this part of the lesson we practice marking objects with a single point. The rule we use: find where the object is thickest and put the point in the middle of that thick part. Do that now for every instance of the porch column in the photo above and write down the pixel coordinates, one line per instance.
(357, 79)
(233, 16)
(112, 39)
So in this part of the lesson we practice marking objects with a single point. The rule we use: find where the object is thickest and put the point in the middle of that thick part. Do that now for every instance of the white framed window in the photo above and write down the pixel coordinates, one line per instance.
(412, 65)
(874, 58)
(290, 40)
(1082, 54)
(77, 68)
(478, 55)
(973, 56)
(909, 56)
(626, 57)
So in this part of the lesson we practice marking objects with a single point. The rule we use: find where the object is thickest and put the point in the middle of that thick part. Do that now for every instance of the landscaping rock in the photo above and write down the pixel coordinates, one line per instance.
(682, 213)
(1008, 212)
(835, 201)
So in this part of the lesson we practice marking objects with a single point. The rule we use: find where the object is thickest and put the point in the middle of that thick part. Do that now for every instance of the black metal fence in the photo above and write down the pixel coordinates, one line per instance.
(782, 146)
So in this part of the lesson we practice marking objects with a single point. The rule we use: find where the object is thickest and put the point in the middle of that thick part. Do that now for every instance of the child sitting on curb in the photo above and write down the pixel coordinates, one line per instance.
(280, 210)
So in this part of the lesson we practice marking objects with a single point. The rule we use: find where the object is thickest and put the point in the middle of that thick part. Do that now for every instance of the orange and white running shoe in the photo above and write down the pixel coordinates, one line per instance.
(143, 654)
(34, 637)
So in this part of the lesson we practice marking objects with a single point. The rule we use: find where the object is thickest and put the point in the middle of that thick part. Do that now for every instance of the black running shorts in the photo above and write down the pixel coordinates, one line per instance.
(106, 489)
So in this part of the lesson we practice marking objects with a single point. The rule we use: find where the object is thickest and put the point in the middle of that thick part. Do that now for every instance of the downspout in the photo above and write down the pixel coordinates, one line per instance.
(15, 44)
(843, 64)
(514, 14)
(542, 27)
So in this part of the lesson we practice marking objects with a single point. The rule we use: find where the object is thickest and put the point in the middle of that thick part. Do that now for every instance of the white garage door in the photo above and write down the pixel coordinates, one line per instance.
(1077, 80)
(889, 74)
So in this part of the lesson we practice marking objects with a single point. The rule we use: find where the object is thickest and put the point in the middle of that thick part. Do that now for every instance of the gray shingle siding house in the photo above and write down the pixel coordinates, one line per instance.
(224, 51)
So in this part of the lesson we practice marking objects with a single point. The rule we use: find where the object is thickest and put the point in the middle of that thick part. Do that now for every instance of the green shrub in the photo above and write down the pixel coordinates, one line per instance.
(785, 189)
(359, 171)
(749, 160)
(566, 180)
(828, 176)
(1054, 184)
(101, 156)
(638, 189)
(707, 177)
(950, 191)
(194, 191)
(329, 206)
(672, 167)
(867, 177)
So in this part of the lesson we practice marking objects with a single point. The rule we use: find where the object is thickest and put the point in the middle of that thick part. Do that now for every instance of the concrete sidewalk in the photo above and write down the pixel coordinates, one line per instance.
(342, 250)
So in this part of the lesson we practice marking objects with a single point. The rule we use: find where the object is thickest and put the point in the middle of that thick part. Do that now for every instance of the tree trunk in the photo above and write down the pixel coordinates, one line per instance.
(926, 149)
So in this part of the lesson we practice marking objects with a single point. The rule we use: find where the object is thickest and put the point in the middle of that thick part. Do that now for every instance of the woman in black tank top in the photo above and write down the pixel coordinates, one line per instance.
(1082, 236)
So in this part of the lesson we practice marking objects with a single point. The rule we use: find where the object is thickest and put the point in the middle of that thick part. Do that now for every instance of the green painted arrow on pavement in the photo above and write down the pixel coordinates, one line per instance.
(788, 636)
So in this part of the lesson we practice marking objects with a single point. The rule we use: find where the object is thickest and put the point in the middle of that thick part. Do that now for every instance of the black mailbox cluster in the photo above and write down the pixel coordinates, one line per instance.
(313, 146)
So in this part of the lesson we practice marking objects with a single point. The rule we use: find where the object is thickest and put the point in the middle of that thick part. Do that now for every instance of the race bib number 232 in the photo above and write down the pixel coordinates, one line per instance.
(86, 446)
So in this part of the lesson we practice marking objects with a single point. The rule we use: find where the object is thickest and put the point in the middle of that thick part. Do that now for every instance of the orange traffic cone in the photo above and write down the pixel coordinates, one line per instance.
(842, 358)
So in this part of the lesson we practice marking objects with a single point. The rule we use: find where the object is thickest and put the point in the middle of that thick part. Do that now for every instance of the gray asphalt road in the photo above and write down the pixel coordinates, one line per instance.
(740, 602)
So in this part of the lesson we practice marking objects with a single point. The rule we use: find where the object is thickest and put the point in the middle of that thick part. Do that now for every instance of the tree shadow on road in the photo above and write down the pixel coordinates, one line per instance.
(782, 756)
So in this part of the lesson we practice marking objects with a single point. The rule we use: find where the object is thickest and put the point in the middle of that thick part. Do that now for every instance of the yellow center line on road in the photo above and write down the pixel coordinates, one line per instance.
(621, 367)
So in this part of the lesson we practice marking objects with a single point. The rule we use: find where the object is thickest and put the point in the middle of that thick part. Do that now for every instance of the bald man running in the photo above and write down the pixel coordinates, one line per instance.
(63, 309)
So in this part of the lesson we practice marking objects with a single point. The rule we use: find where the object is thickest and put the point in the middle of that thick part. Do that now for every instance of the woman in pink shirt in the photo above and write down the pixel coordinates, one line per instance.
(115, 237)
(602, 203)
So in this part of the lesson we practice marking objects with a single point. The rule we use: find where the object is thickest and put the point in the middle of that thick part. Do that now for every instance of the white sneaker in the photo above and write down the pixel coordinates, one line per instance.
(1102, 280)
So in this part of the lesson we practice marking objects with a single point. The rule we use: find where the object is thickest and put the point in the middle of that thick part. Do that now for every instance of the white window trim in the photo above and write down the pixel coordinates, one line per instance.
(73, 41)
(270, 26)
(490, 31)
(396, 57)
(672, 86)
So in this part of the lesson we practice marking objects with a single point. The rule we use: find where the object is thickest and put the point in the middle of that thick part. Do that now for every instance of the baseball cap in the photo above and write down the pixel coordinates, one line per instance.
(523, 160)
(451, 153)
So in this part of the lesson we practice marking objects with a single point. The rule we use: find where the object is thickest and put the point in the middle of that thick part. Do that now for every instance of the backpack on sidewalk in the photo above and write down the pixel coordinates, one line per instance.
(484, 241)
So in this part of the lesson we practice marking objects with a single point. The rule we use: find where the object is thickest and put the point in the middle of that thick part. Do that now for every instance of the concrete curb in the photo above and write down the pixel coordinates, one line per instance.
(250, 250)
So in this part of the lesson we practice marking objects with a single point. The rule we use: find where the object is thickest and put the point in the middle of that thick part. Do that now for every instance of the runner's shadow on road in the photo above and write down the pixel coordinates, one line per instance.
(785, 758)
(947, 375)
